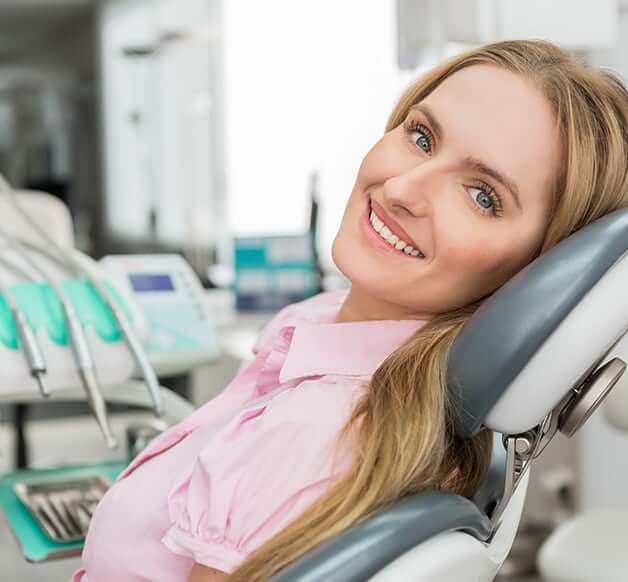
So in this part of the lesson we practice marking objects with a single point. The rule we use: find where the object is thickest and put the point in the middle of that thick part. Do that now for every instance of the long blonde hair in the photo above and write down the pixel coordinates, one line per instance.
(401, 430)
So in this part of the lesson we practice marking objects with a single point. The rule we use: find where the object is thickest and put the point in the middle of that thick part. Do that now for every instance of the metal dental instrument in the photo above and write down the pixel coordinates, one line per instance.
(77, 340)
(28, 341)
(79, 267)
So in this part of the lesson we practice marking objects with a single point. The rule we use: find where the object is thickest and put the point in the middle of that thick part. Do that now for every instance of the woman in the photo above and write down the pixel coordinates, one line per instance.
(488, 161)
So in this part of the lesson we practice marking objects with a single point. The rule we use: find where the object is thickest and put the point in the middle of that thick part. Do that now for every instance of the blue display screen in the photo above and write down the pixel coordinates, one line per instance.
(147, 282)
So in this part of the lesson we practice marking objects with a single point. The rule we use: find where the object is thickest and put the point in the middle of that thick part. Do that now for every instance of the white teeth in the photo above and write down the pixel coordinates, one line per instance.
(392, 239)
(376, 222)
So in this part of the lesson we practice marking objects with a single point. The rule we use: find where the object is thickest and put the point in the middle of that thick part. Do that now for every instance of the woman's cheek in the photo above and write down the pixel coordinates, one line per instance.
(472, 253)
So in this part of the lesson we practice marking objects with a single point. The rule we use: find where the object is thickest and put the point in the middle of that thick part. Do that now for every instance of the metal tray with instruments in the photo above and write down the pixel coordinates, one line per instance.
(63, 508)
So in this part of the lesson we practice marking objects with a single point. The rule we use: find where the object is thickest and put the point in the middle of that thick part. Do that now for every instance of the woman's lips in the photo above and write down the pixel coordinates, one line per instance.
(394, 226)
(374, 238)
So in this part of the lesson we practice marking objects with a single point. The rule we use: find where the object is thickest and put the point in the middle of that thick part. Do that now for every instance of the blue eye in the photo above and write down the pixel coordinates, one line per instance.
(420, 136)
(424, 143)
(485, 200)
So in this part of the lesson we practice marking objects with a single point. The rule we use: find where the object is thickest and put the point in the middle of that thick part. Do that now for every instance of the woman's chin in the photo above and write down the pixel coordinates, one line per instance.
(360, 270)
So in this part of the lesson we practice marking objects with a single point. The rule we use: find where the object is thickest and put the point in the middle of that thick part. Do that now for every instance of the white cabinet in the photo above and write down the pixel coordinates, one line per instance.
(578, 24)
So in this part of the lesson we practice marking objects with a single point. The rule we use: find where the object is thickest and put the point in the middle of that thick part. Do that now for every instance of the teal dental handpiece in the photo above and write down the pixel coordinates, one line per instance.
(28, 342)
(87, 371)
(32, 351)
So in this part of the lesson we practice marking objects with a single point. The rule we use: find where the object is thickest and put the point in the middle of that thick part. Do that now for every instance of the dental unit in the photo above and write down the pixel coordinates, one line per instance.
(78, 265)
(63, 318)
(80, 348)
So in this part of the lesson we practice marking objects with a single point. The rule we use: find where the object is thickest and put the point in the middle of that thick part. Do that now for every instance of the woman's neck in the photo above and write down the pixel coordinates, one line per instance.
(359, 306)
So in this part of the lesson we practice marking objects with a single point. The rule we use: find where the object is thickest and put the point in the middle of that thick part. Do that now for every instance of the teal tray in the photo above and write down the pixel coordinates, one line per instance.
(33, 542)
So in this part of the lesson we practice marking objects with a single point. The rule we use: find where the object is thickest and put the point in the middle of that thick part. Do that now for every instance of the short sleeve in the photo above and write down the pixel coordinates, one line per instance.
(248, 483)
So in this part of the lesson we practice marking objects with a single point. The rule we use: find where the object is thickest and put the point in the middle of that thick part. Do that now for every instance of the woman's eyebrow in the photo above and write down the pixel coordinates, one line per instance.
(509, 184)
(425, 110)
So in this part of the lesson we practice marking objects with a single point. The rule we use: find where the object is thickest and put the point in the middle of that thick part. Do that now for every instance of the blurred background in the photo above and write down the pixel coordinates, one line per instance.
(185, 125)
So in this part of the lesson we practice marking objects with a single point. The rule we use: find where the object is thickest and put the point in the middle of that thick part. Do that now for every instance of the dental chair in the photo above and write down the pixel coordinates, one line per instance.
(576, 552)
(538, 357)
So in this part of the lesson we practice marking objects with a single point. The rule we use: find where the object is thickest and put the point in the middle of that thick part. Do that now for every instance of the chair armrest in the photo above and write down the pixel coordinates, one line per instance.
(363, 550)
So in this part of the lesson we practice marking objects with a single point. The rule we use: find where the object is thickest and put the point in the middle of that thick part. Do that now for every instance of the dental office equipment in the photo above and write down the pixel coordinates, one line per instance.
(170, 296)
(175, 326)
(274, 271)
(78, 343)
(63, 508)
(132, 341)
(28, 342)
(44, 313)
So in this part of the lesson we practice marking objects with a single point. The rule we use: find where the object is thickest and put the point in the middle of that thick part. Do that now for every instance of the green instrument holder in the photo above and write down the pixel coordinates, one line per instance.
(42, 308)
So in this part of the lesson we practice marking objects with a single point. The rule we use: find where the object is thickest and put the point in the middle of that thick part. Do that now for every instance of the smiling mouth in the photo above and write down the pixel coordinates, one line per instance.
(388, 236)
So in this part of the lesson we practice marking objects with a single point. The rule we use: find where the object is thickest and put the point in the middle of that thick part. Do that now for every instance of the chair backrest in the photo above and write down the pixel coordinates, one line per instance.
(516, 341)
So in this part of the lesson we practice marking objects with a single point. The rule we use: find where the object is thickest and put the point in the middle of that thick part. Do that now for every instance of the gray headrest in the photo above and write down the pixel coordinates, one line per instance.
(507, 330)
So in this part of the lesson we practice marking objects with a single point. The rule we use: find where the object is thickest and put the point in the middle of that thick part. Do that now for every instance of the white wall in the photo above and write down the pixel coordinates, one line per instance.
(591, 23)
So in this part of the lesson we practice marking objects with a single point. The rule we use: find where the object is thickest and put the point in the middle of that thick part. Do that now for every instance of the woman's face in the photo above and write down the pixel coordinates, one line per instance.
(465, 180)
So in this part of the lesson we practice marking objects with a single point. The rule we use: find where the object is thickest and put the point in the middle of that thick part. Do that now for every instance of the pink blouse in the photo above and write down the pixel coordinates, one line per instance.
(216, 486)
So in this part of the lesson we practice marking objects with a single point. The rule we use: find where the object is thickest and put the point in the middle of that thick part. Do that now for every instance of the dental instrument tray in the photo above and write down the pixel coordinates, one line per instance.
(35, 543)
(62, 508)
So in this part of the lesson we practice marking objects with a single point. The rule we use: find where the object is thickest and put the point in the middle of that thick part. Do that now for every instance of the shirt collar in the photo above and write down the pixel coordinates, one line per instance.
(353, 349)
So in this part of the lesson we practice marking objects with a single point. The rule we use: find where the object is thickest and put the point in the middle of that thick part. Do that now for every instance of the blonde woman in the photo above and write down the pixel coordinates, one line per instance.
(487, 161)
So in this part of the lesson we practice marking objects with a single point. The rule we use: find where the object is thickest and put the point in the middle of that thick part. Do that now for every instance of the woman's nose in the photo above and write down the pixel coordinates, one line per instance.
(413, 189)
